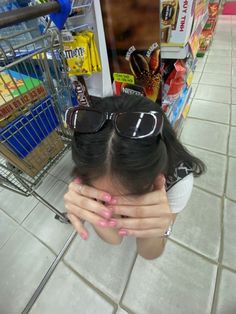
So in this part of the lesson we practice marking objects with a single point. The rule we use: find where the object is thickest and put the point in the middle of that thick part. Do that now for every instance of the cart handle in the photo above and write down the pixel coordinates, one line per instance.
(28, 13)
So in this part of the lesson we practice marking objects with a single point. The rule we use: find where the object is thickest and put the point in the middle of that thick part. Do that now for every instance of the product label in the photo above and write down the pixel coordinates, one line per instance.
(123, 78)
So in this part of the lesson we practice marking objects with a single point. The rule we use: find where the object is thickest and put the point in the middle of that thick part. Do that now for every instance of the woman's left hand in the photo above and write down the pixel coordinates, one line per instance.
(148, 215)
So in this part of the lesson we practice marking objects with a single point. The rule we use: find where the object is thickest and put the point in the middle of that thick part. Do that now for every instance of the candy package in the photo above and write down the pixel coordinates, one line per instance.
(81, 54)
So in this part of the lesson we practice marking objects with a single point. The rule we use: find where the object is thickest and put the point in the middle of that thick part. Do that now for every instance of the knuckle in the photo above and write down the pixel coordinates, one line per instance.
(83, 202)
(71, 186)
(137, 211)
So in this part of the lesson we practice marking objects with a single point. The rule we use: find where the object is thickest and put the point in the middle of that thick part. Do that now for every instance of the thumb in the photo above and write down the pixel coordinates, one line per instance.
(159, 182)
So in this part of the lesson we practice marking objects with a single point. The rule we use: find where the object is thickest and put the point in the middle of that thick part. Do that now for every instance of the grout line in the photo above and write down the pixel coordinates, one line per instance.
(91, 285)
(203, 148)
(127, 282)
(207, 191)
(200, 119)
(47, 276)
(220, 260)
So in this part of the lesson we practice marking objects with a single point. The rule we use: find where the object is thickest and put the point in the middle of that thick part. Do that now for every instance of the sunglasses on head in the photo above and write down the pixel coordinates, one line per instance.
(132, 125)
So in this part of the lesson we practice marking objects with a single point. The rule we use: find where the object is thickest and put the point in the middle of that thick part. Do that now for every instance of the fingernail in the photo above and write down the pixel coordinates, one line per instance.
(107, 197)
(77, 180)
(123, 232)
(113, 201)
(103, 223)
(106, 213)
(84, 235)
(112, 223)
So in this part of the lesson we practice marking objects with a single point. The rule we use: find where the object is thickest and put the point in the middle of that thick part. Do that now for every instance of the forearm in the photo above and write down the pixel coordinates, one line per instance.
(150, 248)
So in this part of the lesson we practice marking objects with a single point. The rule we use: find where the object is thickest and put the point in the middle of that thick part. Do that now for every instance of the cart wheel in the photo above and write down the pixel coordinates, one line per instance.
(62, 218)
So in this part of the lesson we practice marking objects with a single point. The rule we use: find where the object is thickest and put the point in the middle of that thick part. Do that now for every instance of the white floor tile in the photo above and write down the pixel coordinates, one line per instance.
(219, 52)
(217, 69)
(7, 227)
(229, 257)
(56, 195)
(234, 96)
(218, 60)
(214, 93)
(63, 169)
(215, 79)
(202, 215)
(233, 115)
(194, 89)
(231, 182)
(234, 81)
(204, 134)
(47, 183)
(207, 110)
(196, 77)
(76, 297)
(216, 168)
(227, 301)
(233, 70)
(17, 206)
(24, 263)
(234, 53)
(232, 142)
(178, 275)
(105, 266)
(43, 225)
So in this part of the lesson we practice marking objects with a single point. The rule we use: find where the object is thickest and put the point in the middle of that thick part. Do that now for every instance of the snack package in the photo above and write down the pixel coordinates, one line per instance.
(77, 53)
(95, 59)
(80, 89)
(176, 80)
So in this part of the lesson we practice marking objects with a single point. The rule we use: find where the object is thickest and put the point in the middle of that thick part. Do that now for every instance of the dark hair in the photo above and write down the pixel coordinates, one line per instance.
(134, 163)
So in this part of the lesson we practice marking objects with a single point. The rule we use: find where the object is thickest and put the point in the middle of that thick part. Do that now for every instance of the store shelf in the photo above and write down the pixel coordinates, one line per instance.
(183, 52)
(178, 107)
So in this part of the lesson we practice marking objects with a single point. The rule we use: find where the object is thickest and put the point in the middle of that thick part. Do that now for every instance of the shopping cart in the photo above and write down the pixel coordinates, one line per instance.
(34, 93)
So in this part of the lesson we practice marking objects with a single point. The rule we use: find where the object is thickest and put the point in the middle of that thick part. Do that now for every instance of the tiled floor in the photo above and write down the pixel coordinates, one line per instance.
(197, 272)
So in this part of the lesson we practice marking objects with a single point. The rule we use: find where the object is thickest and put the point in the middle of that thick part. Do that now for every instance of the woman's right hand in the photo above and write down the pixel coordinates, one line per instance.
(84, 203)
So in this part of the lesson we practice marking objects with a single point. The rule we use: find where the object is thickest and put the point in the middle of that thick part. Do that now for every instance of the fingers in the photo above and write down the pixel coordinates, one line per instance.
(141, 224)
(151, 233)
(79, 227)
(72, 198)
(86, 215)
(90, 192)
(142, 211)
(152, 198)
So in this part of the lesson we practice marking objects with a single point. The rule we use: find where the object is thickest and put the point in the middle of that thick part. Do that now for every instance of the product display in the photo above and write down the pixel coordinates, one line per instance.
(133, 46)
(81, 53)
(176, 21)
(17, 91)
(208, 31)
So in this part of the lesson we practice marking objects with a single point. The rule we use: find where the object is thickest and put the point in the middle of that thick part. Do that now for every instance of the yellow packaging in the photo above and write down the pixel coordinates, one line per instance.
(77, 53)
(94, 51)
(91, 48)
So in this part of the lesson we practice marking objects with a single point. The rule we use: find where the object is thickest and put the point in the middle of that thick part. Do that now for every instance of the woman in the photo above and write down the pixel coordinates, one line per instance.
(133, 175)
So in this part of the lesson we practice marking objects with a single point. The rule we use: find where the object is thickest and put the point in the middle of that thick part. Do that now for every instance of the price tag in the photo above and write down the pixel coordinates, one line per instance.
(123, 78)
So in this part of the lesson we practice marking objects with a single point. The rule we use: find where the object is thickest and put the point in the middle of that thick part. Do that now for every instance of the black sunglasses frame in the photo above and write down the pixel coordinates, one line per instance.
(72, 113)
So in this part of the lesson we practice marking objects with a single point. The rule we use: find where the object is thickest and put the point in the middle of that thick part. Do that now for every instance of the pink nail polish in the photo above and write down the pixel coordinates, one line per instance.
(77, 180)
(123, 233)
(106, 214)
(113, 201)
(84, 235)
(112, 223)
(107, 198)
(103, 223)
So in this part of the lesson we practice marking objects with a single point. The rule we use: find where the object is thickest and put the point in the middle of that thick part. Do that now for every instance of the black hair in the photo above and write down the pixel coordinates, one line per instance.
(134, 163)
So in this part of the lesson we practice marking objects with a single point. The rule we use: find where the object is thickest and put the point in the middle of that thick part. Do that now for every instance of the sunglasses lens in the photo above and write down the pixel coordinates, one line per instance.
(135, 125)
(88, 121)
